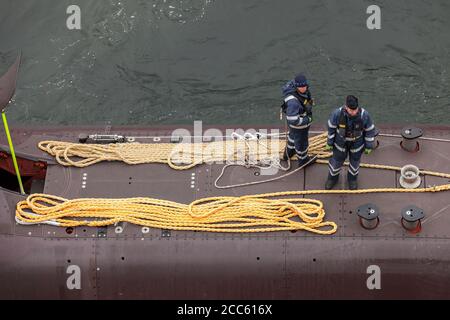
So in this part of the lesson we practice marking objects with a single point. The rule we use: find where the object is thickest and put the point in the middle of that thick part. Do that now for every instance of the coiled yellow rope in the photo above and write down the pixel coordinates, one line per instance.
(180, 156)
(251, 213)
(218, 214)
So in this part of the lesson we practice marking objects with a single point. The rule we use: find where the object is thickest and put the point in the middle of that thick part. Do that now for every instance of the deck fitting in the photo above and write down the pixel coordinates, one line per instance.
(82, 137)
(410, 141)
(412, 218)
(119, 228)
(102, 232)
(368, 216)
(410, 177)
(165, 233)
(101, 138)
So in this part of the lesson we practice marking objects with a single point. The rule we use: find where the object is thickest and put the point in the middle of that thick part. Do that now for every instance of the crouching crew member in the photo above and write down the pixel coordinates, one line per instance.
(350, 132)
(298, 108)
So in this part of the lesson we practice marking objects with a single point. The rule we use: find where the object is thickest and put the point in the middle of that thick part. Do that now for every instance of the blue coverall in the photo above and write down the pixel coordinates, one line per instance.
(298, 116)
(349, 141)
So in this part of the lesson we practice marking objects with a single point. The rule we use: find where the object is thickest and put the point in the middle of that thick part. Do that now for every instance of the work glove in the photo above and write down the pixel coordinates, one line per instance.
(328, 147)
(367, 151)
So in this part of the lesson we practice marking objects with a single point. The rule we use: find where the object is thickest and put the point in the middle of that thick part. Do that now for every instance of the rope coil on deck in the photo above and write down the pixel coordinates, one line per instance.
(217, 214)
(245, 214)
(181, 156)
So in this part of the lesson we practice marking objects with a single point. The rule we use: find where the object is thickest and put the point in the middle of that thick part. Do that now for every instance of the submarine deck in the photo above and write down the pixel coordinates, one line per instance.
(103, 249)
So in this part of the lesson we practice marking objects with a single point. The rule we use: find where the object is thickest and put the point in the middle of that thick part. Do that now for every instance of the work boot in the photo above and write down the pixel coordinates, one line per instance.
(309, 159)
(288, 153)
(331, 182)
(353, 184)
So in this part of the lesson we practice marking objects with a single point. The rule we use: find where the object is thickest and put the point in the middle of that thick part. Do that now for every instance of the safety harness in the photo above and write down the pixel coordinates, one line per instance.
(350, 133)
(305, 100)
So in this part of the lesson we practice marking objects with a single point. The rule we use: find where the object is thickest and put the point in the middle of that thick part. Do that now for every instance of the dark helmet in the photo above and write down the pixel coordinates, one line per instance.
(300, 81)
(351, 102)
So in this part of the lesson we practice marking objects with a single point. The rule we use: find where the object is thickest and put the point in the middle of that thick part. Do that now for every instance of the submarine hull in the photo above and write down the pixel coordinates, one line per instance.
(47, 262)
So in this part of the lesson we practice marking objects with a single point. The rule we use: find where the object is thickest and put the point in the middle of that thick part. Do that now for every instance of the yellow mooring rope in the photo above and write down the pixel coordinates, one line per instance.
(251, 213)
(179, 156)
(218, 214)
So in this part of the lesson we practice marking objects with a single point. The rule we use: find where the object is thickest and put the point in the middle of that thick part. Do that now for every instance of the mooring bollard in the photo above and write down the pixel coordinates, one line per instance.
(368, 216)
(410, 140)
(412, 218)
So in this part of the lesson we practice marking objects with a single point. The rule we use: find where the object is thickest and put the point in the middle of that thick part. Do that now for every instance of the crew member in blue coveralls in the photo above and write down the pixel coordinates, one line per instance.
(298, 108)
(350, 131)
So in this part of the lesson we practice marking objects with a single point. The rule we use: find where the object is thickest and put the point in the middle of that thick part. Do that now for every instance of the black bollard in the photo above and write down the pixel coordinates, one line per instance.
(412, 218)
(368, 216)
(410, 140)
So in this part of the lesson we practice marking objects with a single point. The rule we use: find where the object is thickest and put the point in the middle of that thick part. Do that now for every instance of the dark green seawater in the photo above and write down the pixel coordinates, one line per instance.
(223, 61)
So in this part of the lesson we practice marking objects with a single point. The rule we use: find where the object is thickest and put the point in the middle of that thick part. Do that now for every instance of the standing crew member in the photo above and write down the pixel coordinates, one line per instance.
(298, 108)
(350, 132)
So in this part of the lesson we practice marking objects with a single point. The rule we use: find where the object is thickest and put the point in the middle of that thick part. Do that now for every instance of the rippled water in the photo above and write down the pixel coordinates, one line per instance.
(224, 61)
